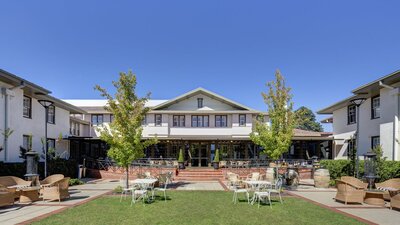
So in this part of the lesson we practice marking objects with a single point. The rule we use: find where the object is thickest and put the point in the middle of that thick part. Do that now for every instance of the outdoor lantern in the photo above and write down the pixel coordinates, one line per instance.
(370, 168)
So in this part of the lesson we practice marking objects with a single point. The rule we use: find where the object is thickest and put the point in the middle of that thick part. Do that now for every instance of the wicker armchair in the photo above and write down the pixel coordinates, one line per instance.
(354, 182)
(347, 192)
(50, 180)
(392, 183)
(6, 196)
(13, 184)
(58, 191)
(395, 202)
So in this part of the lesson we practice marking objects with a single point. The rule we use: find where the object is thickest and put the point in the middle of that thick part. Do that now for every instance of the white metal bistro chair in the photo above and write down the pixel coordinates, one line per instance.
(139, 194)
(237, 190)
(276, 189)
(163, 179)
(262, 193)
(125, 189)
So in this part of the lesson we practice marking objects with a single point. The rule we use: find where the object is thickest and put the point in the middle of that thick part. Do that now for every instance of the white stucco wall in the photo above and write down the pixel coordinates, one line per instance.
(31, 126)
(190, 104)
(382, 126)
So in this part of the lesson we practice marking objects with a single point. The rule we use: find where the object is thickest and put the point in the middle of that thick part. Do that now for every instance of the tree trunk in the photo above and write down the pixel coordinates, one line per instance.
(127, 177)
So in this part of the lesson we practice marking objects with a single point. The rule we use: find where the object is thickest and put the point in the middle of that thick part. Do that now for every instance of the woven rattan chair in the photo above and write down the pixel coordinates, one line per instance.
(347, 192)
(58, 191)
(354, 182)
(391, 184)
(48, 181)
(395, 202)
(15, 182)
(6, 196)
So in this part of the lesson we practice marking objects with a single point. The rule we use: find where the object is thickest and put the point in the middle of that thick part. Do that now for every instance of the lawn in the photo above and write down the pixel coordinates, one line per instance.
(197, 207)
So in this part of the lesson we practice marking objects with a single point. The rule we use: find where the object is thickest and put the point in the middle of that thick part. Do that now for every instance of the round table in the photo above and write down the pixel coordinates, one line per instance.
(374, 197)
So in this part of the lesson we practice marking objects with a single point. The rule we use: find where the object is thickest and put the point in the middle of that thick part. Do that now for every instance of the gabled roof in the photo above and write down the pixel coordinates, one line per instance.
(204, 92)
(365, 91)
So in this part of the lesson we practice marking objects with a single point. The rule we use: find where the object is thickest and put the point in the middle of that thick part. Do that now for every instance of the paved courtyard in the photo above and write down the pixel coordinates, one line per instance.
(374, 214)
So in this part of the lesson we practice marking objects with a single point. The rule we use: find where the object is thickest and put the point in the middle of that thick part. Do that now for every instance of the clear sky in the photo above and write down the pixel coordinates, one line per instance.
(323, 48)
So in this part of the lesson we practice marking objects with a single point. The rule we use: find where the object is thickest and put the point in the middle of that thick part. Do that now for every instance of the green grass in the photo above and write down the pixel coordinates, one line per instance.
(197, 207)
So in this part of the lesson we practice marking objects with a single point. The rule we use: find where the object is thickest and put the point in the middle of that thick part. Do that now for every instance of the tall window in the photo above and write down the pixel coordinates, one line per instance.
(221, 121)
(200, 121)
(97, 119)
(351, 149)
(200, 103)
(74, 128)
(26, 142)
(351, 114)
(375, 141)
(111, 118)
(27, 105)
(158, 119)
(144, 121)
(178, 121)
(51, 114)
(375, 107)
(242, 120)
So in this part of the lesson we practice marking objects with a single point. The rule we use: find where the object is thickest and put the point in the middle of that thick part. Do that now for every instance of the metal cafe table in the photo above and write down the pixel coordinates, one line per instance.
(255, 185)
(147, 183)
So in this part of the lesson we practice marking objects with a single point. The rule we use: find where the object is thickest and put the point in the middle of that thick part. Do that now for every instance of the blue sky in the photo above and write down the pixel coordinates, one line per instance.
(324, 49)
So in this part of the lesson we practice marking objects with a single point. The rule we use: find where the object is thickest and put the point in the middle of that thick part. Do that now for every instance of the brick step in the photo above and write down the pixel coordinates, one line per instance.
(205, 173)
(201, 176)
(197, 178)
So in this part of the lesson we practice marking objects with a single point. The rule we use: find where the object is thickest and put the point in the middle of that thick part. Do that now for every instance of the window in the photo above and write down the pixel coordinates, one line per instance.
(27, 107)
(74, 129)
(242, 120)
(199, 103)
(178, 121)
(351, 149)
(51, 114)
(221, 121)
(97, 119)
(200, 121)
(375, 141)
(27, 142)
(351, 114)
(375, 107)
(158, 119)
(111, 118)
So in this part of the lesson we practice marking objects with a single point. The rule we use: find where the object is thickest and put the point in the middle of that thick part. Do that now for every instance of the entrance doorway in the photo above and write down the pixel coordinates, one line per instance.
(200, 154)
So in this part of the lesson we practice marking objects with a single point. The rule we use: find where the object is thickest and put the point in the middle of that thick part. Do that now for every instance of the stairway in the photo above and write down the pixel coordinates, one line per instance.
(199, 174)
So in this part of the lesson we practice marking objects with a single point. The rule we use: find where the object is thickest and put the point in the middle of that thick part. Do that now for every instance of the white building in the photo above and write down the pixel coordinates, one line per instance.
(378, 122)
(199, 120)
(21, 113)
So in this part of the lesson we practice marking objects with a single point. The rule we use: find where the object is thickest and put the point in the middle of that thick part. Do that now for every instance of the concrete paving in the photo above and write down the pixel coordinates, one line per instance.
(197, 186)
(374, 214)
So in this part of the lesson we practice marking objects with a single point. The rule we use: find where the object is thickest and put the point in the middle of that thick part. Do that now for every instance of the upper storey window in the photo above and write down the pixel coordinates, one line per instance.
(221, 121)
(199, 121)
(200, 103)
(51, 114)
(178, 121)
(97, 119)
(27, 105)
(351, 114)
(375, 107)
(158, 119)
(242, 120)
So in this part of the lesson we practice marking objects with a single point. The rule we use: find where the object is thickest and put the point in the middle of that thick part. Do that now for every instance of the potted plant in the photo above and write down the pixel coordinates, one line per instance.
(216, 159)
(181, 160)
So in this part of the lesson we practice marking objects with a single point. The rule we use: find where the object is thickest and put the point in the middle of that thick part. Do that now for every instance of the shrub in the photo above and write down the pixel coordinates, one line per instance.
(118, 189)
(75, 181)
(181, 158)
(216, 157)
(337, 168)
(389, 170)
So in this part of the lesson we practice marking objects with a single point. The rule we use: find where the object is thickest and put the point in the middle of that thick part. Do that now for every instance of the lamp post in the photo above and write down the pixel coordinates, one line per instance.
(357, 102)
(46, 104)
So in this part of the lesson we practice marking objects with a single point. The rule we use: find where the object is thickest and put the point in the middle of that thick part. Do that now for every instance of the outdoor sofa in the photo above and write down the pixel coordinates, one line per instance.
(6, 196)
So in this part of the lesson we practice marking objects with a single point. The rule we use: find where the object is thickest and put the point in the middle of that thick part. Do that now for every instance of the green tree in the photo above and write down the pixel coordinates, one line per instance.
(275, 137)
(306, 120)
(124, 134)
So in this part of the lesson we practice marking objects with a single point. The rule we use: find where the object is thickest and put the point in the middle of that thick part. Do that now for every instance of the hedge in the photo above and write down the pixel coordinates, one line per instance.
(67, 167)
(339, 168)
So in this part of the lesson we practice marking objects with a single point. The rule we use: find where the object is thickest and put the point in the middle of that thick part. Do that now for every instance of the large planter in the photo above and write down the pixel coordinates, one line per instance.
(181, 165)
(216, 165)
(321, 178)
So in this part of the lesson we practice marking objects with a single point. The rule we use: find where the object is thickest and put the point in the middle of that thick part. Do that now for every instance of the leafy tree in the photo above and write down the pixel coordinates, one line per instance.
(275, 137)
(124, 134)
(306, 120)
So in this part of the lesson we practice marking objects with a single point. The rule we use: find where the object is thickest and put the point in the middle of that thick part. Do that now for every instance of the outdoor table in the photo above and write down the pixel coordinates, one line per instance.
(145, 183)
(29, 194)
(374, 197)
(255, 185)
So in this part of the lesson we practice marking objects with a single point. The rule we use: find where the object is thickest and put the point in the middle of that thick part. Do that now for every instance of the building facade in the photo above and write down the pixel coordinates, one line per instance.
(378, 118)
(21, 113)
